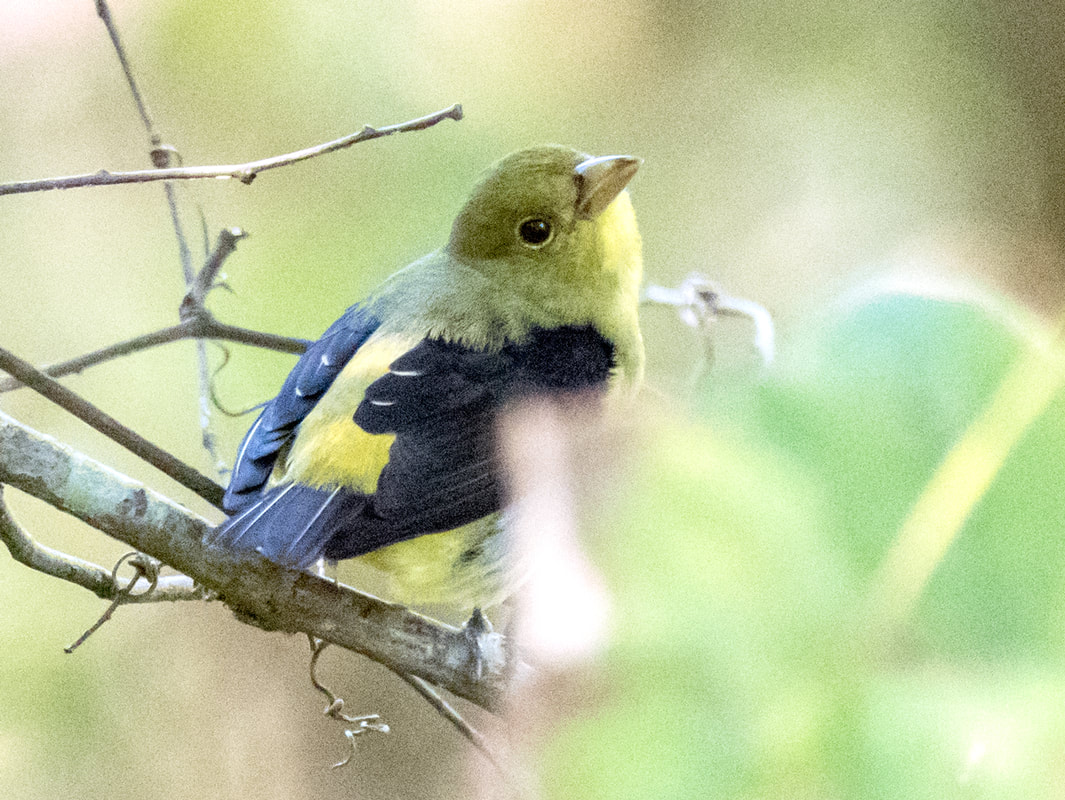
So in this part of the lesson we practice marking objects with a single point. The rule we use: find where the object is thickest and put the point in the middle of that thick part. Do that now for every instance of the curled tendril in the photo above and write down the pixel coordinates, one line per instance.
(335, 710)
(146, 567)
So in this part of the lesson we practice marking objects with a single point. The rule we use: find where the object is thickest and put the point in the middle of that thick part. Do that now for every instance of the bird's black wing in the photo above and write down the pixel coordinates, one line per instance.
(441, 400)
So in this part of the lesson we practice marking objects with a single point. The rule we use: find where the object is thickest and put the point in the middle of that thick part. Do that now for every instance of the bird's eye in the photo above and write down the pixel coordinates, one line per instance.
(535, 232)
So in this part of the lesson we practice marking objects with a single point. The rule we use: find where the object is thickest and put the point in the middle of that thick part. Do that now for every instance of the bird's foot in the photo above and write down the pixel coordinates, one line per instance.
(476, 628)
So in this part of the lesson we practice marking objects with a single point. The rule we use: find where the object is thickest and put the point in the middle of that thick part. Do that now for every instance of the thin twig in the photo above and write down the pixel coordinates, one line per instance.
(207, 435)
(161, 154)
(245, 173)
(111, 427)
(184, 254)
(96, 579)
(194, 305)
(212, 329)
(206, 278)
(201, 327)
(174, 333)
(448, 712)
(104, 13)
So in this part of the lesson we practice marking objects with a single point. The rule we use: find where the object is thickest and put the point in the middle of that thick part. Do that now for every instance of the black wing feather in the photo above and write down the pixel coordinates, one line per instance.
(441, 400)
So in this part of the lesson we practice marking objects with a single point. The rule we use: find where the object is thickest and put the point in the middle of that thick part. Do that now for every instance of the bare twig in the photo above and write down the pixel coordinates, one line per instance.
(699, 301)
(207, 435)
(270, 596)
(184, 254)
(161, 154)
(174, 333)
(201, 327)
(111, 427)
(210, 328)
(101, 582)
(206, 278)
(104, 13)
(448, 712)
(245, 173)
(146, 567)
(194, 305)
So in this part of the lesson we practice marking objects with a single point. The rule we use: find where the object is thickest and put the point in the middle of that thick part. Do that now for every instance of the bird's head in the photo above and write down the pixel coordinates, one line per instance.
(550, 220)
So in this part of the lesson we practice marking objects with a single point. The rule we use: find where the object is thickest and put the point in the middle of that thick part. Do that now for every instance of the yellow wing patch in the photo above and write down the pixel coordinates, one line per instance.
(330, 449)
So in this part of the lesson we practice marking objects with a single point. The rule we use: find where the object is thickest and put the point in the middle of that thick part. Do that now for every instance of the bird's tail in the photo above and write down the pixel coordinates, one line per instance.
(290, 524)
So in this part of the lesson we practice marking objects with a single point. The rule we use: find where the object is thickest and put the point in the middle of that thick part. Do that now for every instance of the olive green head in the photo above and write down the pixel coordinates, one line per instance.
(543, 213)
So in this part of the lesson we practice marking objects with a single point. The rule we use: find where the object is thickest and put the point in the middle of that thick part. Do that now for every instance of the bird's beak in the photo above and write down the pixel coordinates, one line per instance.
(600, 180)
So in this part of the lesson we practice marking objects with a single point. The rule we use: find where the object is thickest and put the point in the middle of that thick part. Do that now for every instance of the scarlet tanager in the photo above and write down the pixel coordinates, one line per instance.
(381, 444)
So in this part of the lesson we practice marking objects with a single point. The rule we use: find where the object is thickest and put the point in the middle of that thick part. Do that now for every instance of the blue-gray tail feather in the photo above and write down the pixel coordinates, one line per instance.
(290, 524)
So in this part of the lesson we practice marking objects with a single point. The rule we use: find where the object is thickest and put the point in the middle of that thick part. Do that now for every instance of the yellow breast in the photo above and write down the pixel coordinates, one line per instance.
(466, 567)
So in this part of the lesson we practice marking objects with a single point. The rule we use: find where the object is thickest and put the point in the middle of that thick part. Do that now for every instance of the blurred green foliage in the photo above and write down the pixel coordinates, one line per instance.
(744, 661)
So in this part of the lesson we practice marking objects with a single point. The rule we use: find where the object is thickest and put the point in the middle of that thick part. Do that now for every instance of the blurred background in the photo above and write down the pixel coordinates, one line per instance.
(888, 179)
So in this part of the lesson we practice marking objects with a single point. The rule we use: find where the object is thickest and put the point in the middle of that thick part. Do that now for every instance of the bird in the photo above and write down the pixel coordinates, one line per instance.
(381, 443)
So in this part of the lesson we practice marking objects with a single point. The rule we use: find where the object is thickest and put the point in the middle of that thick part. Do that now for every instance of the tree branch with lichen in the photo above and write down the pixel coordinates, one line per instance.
(98, 580)
(259, 591)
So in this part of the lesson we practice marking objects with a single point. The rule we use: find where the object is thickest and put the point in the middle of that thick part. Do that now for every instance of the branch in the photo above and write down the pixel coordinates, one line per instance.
(261, 592)
(111, 428)
(84, 573)
(245, 173)
(444, 709)
(200, 327)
